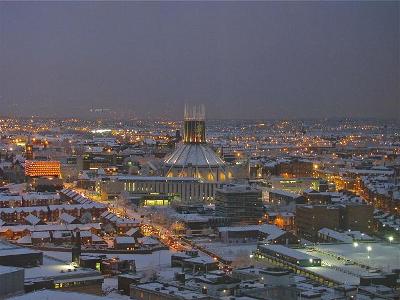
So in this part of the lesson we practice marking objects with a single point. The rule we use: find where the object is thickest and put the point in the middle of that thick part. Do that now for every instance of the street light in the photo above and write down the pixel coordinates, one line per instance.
(369, 249)
(390, 238)
(355, 244)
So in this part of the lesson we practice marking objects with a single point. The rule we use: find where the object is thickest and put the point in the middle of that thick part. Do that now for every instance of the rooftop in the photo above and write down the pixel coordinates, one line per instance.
(197, 155)
(288, 252)
(180, 293)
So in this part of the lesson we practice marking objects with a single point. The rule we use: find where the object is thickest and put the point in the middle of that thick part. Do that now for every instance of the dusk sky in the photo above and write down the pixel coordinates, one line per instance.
(241, 59)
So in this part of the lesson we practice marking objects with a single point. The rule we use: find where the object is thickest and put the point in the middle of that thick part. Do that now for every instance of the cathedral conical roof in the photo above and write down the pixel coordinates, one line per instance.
(196, 155)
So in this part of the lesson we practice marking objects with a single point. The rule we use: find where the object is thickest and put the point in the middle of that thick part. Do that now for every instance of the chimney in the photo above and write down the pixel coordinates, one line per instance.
(76, 247)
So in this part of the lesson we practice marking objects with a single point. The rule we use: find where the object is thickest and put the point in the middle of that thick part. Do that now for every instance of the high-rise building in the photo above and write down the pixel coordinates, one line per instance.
(239, 203)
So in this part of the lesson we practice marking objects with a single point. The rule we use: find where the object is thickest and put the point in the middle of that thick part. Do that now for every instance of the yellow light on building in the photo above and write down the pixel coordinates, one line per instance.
(36, 168)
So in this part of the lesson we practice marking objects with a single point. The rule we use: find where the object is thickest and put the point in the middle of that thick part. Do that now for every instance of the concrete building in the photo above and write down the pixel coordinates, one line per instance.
(11, 281)
(239, 203)
(289, 255)
(15, 256)
(164, 291)
(254, 233)
(185, 188)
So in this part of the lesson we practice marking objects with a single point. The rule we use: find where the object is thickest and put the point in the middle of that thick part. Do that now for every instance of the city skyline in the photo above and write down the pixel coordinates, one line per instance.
(258, 60)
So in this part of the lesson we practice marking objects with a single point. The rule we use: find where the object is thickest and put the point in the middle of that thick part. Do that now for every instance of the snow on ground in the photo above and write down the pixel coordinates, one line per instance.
(155, 260)
(229, 251)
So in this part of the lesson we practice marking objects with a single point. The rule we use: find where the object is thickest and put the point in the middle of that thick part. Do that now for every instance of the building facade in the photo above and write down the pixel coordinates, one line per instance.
(239, 203)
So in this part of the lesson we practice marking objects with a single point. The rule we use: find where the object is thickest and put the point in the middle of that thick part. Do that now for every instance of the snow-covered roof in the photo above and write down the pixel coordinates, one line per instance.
(271, 231)
(26, 209)
(132, 231)
(51, 227)
(201, 260)
(124, 240)
(288, 252)
(25, 240)
(84, 234)
(338, 236)
(169, 290)
(40, 196)
(67, 218)
(31, 219)
(10, 197)
(148, 240)
(284, 193)
(62, 234)
(7, 270)
(40, 234)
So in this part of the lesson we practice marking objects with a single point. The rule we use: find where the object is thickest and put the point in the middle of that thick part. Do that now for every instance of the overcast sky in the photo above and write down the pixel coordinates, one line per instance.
(240, 59)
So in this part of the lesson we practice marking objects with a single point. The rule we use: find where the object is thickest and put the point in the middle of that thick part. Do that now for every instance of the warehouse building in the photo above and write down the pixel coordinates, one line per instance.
(15, 256)
(11, 281)
(289, 255)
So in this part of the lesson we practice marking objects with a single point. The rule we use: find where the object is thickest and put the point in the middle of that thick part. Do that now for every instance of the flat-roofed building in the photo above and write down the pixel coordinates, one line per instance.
(289, 255)
(185, 188)
(164, 291)
(11, 255)
(11, 281)
(254, 233)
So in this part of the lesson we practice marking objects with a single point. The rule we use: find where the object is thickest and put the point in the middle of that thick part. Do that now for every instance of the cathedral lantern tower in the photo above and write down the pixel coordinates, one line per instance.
(194, 125)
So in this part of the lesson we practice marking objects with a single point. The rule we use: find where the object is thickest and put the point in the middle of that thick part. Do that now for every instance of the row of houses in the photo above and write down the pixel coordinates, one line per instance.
(59, 237)
(11, 200)
(17, 231)
(381, 192)
(51, 213)
(121, 225)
